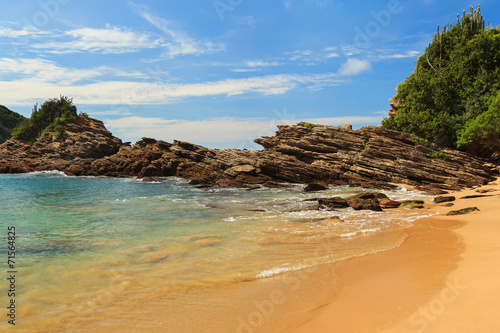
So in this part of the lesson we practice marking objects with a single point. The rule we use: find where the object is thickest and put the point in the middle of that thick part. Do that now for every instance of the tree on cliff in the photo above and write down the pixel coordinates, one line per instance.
(48, 119)
(8, 121)
(452, 98)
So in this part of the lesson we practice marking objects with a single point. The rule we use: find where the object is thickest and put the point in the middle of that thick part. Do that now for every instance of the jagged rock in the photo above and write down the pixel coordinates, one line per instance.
(390, 204)
(73, 152)
(441, 199)
(412, 204)
(430, 190)
(371, 157)
(486, 190)
(315, 187)
(240, 169)
(364, 201)
(332, 203)
(463, 211)
(395, 106)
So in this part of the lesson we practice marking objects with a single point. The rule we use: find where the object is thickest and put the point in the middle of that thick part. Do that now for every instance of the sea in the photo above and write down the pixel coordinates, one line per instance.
(97, 254)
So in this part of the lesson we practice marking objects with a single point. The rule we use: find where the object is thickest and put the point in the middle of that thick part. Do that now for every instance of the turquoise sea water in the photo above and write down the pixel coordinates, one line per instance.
(86, 245)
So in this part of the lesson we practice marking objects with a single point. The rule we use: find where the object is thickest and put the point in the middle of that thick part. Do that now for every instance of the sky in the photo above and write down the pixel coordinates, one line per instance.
(218, 73)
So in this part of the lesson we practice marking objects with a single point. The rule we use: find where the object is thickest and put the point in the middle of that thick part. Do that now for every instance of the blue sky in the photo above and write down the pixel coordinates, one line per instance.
(217, 72)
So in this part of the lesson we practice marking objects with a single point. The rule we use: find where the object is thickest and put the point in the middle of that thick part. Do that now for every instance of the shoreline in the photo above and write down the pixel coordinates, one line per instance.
(428, 284)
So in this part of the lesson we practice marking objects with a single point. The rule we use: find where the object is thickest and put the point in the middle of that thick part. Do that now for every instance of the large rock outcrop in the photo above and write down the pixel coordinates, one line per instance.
(371, 156)
(73, 152)
(368, 157)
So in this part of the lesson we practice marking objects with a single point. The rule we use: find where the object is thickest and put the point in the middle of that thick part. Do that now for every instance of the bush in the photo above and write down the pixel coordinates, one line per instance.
(447, 99)
(53, 114)
(482, 134)
(309, 125)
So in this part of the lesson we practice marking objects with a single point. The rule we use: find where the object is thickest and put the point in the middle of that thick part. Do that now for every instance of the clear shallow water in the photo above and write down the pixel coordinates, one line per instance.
(85, 245)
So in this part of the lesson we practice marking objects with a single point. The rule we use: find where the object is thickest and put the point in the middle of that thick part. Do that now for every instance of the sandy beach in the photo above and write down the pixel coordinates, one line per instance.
(443, 278)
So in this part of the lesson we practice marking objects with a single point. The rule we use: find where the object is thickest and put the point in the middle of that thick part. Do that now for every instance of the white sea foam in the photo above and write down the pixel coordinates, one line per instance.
(282, 269)
(48, 173)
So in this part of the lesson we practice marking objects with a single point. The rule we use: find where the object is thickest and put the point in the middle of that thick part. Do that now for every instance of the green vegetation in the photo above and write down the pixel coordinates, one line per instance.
(49, 119)
(440, 155)
(422, 142)
(8, 121)
(309, 125)
(453, 96)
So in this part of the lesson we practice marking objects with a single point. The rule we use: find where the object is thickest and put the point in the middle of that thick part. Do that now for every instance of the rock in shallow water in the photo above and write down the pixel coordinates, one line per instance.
(463, 211)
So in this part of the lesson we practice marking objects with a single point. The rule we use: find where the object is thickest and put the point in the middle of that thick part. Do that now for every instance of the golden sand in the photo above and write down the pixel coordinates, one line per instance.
(443, 278)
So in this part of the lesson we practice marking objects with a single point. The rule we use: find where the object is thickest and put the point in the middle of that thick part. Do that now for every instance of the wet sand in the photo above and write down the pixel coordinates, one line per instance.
(443, 278)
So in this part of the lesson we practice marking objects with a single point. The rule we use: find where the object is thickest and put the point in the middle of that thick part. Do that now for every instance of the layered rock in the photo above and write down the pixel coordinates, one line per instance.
(73, 152)
(369, 157)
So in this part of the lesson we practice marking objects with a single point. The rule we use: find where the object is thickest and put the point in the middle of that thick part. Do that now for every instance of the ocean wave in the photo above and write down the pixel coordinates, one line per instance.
(282, 269)
(360, 232)
(47, 173)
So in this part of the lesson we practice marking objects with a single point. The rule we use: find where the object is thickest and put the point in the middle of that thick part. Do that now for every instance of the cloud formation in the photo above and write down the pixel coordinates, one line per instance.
(108, 40)
(217, 132)
(39, 78)
(178, 42)
(354, 66)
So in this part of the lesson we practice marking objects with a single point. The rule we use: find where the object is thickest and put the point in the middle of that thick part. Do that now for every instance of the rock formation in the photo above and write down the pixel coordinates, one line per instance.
(395, 106)
(368, 157)
(83, 141)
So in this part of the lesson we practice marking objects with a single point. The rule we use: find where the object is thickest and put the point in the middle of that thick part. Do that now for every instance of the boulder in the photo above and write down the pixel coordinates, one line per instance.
(463, 211)
(412, 204)
(364, 201)
(315, 187)
(332, 203)
(240, 169)
(441, 199)
(390, 204)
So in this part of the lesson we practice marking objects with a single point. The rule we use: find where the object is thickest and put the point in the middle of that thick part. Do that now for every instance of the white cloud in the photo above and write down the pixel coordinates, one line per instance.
(216, 132)
(44, 71)
(354, 66)
(151, 91)
(110, 40)
(244, 70)
(26, 31)
(260, 63)
(407, 54)
(310, 57)
(177, 42)
(332, 55)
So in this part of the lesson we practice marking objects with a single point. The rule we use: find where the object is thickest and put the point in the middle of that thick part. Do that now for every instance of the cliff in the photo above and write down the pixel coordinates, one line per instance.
(368, 157)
